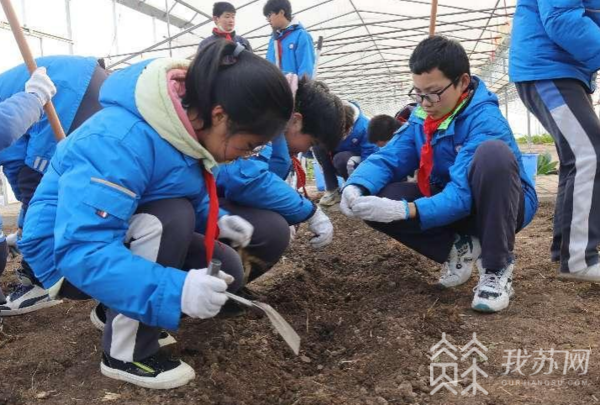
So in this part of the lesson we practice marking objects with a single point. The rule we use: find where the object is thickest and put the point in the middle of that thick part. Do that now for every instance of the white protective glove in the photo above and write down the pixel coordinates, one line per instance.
(292, 233)
(236, 229)
(41, 85)
(349, 194)
(204, 295)
(11, 241)
(321, 226)
(379, 209)
(352, 164)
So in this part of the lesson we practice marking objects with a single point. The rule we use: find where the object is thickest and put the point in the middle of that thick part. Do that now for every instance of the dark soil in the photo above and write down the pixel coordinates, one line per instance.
(367, 310)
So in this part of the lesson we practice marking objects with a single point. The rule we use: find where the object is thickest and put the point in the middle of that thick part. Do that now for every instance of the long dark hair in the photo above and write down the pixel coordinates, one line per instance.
(253, 92)
(322, 112)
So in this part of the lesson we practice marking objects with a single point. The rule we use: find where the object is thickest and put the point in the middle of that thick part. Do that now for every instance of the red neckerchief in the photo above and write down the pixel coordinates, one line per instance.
(280, 46)
(426, 164)
(212, 229)
(224, 34)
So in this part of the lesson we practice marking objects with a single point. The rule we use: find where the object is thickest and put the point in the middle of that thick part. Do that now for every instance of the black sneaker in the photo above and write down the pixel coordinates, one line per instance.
(98, 318)
(156, 372)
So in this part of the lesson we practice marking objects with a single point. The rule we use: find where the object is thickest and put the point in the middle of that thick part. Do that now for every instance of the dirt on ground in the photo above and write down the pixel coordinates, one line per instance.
(368, 312)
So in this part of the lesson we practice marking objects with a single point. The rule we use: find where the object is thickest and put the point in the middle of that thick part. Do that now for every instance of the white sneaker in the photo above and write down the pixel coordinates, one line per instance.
(27, 298)
(98, 318)
(591, 274)
(457, 269)
(494, 290)
(331, 198)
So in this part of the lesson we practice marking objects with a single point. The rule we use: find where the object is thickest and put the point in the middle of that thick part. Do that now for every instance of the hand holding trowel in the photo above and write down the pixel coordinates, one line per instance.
(283, 328)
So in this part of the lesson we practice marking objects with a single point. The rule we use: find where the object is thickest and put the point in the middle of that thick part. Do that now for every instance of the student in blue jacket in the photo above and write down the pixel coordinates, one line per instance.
(318, 119)
(554, 58)
(128, 210)
(354, 148)
(291, 46)
(17, 114)
(291, 49)
(77, 80)
(472, 193)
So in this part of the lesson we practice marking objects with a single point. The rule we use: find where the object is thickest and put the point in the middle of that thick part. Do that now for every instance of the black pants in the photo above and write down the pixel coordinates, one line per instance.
(29, 179)
(565, 109)
(332, 166)
(498, 210)
(269, 241)
(178, 246)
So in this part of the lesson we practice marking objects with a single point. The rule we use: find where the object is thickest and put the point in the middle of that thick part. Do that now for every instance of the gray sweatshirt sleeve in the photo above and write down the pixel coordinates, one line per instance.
(17, 114)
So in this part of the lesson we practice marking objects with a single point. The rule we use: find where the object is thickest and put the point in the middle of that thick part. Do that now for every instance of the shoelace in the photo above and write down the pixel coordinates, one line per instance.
(19, 292)
(489, 280)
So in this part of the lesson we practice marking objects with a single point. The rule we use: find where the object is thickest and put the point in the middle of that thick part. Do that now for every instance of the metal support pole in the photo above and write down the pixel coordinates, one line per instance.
(115, 26)
(69, 25)
(168, 26)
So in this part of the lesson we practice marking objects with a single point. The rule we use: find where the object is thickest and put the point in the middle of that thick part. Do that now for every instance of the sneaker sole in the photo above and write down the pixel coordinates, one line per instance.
(29, 309)
(186, 375)
(576, 277)
(98, 324)
(488, 309)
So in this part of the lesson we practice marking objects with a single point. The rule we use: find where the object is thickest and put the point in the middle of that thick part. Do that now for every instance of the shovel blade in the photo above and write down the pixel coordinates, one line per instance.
(281, 326)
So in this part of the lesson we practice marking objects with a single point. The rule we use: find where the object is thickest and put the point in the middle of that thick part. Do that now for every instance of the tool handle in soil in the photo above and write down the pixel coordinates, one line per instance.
(15, 26)
(214, 267)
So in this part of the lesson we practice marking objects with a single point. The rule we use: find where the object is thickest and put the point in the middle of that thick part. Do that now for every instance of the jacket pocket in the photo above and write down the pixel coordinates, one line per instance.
(103, 213)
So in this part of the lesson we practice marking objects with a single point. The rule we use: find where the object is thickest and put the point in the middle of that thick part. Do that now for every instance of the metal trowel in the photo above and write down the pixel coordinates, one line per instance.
(281, 326)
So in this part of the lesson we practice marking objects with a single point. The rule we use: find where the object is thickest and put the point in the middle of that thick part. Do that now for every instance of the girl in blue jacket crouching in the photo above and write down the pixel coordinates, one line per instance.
(128, 210)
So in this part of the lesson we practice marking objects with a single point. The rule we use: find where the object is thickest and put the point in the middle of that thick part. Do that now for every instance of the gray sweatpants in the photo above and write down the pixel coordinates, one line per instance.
(565, 109)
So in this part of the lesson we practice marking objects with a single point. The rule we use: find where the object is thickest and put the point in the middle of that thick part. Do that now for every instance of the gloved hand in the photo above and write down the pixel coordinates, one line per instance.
(321, 226)
(292, 233)
(379, 209)
(349, 194)
(41, 85)
(204, 295)
(352, 164)
(11, 241)
(236, 229)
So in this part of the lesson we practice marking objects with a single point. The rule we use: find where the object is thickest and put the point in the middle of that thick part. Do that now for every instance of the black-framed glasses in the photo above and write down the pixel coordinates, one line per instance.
(430, 97)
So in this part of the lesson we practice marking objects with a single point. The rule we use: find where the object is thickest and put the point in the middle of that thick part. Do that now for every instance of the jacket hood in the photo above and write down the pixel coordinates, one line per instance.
(151, 90)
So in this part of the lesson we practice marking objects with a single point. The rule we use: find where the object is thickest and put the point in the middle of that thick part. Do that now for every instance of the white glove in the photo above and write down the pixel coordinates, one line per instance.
(203, 295)
(41, 85)
(292, 232)
(11, 241)
(352, 164)
(321, 226)
(349, 194)
(379, 209)
(236, 229)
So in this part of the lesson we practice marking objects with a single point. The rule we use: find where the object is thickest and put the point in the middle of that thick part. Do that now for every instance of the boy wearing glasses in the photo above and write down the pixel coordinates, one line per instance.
(472, 193)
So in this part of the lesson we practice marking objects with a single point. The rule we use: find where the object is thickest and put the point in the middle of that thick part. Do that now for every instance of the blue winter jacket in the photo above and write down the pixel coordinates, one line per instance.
(454, 145)
(555, 39)
(98, 177)
(357, 140)
(251, 182)
(71, 76)
(298, 51)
